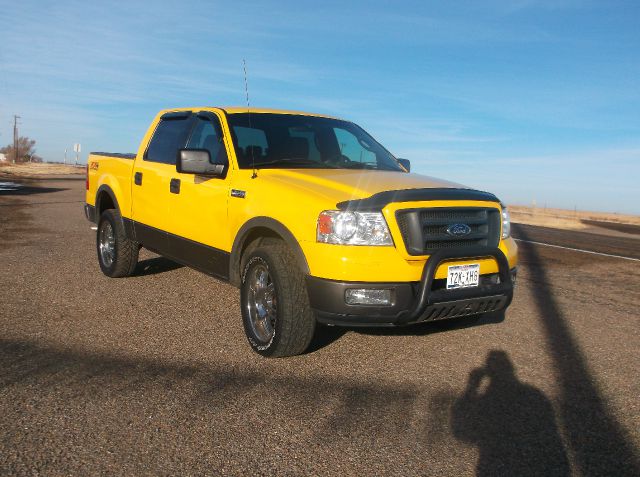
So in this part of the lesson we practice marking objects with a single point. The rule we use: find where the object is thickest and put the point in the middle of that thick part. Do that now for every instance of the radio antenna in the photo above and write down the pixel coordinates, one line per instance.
(246, 90)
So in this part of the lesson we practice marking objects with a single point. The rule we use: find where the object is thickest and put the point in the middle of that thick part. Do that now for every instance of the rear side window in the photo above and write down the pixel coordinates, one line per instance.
(170, 135)
(207, 134)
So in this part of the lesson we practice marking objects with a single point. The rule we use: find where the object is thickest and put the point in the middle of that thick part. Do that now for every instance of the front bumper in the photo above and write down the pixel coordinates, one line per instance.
(414, 302)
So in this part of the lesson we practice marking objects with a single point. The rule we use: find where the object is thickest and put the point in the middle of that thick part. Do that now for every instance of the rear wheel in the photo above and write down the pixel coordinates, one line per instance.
(117, 254)
(276, 314)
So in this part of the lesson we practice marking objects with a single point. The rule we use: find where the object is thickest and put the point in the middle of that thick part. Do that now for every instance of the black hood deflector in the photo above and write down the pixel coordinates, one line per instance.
(380, 200)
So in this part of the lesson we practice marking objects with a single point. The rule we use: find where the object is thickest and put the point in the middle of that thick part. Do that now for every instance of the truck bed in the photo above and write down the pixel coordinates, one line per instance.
(119, 155)
(114, 171)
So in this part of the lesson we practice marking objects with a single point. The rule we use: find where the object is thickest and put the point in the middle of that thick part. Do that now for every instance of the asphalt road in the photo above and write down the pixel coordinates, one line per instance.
(151, 375)
(628, 246)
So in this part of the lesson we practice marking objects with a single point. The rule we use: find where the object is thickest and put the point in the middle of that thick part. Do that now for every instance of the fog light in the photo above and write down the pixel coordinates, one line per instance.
(365, 296)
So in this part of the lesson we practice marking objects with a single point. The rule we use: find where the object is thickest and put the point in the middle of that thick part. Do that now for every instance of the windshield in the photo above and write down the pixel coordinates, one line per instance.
(286, 141)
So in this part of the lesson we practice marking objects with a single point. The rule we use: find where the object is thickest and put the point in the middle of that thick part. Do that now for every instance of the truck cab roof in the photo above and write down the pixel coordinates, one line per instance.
(244, 109)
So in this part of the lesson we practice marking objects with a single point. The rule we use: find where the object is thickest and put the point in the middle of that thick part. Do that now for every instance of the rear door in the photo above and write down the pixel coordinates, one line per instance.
(198, 205)
(152, 174)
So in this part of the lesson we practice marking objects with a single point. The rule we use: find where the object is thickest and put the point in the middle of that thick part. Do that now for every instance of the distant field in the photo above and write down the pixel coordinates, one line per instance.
(38, 170)
(598, 222)
(576, 220)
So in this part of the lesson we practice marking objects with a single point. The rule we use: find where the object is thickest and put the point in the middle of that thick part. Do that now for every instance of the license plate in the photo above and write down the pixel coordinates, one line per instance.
(463, 276)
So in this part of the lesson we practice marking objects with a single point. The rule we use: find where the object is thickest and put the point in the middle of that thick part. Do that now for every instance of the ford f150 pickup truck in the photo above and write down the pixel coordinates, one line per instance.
(311, 217)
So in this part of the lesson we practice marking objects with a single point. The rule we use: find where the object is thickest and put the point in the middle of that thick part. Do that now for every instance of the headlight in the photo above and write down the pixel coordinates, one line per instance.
(353, 228)
(506, 223)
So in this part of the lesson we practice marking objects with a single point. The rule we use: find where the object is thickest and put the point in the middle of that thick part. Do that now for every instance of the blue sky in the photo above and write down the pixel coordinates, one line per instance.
(532, 100)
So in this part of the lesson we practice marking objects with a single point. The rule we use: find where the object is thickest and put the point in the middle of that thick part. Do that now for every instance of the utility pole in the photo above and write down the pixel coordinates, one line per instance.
(65, 155)
(15, 138)
(77, 148)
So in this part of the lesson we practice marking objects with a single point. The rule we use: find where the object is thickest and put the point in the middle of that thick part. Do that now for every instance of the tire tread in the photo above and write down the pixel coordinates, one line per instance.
(297, 321)
(127, 250)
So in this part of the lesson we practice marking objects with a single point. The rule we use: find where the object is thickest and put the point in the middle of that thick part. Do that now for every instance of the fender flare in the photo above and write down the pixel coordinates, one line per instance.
(126, 223)
(263, 223)
(99, 194)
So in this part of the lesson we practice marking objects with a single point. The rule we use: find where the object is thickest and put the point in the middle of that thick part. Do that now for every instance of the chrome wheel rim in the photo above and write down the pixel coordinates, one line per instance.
(261, 303)
(107, 244)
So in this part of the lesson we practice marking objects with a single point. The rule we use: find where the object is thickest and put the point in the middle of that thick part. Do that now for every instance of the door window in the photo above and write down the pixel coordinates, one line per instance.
(207, 134)
(170, 135)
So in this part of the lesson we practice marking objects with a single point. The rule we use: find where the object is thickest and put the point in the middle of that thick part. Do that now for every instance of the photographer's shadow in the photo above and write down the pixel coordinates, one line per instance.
(512, 423)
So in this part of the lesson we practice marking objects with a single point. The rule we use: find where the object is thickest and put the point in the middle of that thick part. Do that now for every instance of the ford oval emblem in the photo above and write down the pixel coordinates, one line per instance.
(458, 230)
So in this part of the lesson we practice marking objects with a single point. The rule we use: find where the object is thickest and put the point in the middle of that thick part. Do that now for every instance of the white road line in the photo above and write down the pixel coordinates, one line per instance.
(579, 250)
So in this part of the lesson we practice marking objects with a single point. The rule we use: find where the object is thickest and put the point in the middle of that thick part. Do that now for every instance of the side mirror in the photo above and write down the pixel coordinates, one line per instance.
(198, 161)
(406, 163)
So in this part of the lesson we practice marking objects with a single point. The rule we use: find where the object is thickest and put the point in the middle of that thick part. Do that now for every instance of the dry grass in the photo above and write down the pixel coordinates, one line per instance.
(555, 218)
(596, 222)
(38, 170)
(571, 215)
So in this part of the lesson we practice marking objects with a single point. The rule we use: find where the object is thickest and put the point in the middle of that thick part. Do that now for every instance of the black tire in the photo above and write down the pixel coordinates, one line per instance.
(289, 316)
(121, 258)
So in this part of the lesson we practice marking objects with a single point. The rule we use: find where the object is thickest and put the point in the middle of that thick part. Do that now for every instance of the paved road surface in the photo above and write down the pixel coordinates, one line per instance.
(628, 246)
(151, 375)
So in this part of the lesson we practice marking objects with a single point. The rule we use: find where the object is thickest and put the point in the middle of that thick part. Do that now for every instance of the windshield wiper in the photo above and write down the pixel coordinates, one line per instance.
(371, 167)
(296, 161)
(358, 165)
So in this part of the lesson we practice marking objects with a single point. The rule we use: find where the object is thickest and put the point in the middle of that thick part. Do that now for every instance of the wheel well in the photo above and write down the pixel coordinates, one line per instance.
(253, 238)
(104, 202)
(257, 235)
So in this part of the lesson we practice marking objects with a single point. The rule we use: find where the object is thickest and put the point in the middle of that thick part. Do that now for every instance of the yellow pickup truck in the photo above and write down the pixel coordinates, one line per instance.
(311, 217)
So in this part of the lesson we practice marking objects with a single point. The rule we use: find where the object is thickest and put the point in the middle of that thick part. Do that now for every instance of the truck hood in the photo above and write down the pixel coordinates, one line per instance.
(337, 185)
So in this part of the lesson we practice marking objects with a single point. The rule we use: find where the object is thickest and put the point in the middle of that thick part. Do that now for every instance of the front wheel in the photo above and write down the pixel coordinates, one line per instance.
(276, 314)
(117, 254)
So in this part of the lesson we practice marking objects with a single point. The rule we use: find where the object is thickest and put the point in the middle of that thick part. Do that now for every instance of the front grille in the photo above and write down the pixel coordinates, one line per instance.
(438, 244)
(425, 230)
